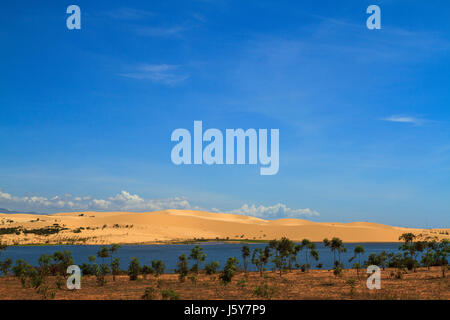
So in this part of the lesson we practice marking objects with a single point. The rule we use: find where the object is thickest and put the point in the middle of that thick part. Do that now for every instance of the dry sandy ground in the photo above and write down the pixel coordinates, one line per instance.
(296, 285)
(180, 225)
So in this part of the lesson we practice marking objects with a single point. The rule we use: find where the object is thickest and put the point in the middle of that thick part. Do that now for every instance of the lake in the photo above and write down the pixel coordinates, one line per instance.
(169, 253)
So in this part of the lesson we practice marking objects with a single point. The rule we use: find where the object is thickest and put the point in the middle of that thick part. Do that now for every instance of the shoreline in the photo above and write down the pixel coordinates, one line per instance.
(185, 243)
(186, 227)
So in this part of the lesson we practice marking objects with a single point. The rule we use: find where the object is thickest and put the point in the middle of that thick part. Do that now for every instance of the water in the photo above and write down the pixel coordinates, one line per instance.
(169, 253)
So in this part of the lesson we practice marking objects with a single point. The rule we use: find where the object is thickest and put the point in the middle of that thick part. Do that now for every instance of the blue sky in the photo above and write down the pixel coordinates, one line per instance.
(363, 114)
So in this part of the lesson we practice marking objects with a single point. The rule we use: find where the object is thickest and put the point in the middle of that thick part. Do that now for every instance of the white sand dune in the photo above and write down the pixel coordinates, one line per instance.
(179, 225)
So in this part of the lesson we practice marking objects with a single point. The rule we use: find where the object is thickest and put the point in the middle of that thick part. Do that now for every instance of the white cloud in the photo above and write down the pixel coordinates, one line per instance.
(404, 119)
(126, 201)
(160, 73)
(5, 196)
(160, 31)
(276, 211)
(129, 14)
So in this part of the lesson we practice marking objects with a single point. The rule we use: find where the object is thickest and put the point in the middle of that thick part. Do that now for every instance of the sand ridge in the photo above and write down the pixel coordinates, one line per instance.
(182, 225)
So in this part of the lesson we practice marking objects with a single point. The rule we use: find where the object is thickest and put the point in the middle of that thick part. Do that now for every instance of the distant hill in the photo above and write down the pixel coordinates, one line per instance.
(186, 225)
(3, 210)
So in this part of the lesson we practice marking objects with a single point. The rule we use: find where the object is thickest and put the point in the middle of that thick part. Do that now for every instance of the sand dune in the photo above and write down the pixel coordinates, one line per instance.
(180, 225)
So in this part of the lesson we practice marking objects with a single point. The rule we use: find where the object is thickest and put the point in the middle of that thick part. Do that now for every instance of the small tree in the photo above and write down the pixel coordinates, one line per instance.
(283, 249)
(101, 275)
(158, 267)
(352, 284)
(150, 293)
(104, 268)
(396, 261)
(229, 270)
(264, 291)
(335, 245)
(62, 261)
(337, 269)
(411, 249)
(358, 251)
(25, 272)
(115, 262)
(428, 257)
(3, 247)
(310, 251)
(441, 253)
(5, 266)
(211, 267)
(94, 268)
(183, 268)
(134, 269)
(245, 254)
(292, 258)
(44, 264)
(383, 259)
(327, 243)
(114, 248)
(260, 258)
(115, 267)
(146, 270)
(198, 256)
(103, 253)
(169, 294)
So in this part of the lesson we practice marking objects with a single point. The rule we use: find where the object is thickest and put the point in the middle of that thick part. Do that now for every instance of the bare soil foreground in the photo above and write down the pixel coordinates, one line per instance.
(181, 225)
(296, 285)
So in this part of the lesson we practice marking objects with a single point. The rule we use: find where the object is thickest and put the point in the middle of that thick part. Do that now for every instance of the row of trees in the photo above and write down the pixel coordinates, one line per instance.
(283, 254)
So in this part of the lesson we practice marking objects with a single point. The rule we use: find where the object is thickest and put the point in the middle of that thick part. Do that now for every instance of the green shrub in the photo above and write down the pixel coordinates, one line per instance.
(46, 292)
(264, 291)
(352, 283)
(211, 268)
(60, 282)
(146, 270)
(169, 294)
(242, 283)
(198, 256)
(149, 293)
(337, 270)
(62, 259)
(158, 267)
(229, 271)
(134, 269)
(193, 278)
(182, 269)
(5, 266)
